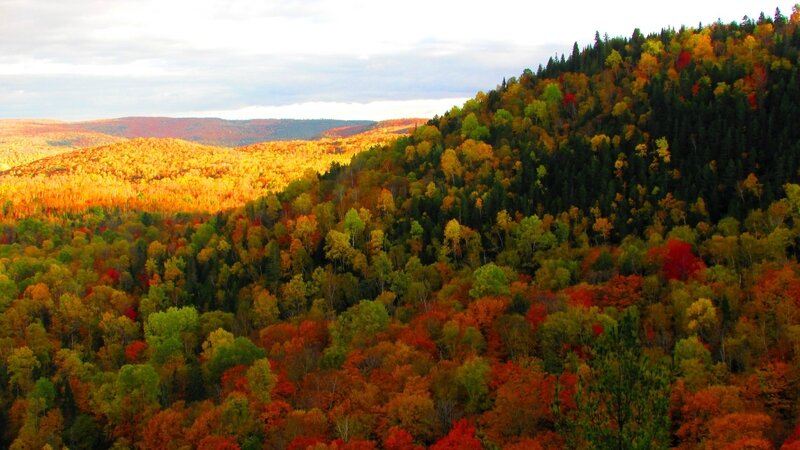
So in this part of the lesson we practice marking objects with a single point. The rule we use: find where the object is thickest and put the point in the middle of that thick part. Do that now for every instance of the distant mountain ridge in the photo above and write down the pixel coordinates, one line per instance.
(219, 132)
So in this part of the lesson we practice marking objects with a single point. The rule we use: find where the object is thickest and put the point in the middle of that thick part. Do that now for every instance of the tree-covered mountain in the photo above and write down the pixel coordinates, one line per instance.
(597, 254)
(626, 124)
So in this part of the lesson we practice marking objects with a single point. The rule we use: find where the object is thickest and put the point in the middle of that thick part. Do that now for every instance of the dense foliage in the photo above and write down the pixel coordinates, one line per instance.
(599, 254)
(22, 142)
(172, 175)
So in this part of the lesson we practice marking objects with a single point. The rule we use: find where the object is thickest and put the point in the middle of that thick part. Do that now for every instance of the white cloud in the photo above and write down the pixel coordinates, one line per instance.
(135, 69)
(118, 56)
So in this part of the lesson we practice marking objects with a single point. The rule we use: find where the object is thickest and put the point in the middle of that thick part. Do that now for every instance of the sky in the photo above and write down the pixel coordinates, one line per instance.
(342, 59)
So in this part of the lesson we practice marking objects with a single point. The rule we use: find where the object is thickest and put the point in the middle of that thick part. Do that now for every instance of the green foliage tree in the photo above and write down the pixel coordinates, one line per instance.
(295, 296)
(537, 109)
(531, 237)
(130, 399)
(624, 403)
(338, 248)
(472, 129)
(22, 364)
(489, 280)
(240, 351)
(473, 377)
(552, 95)
(354, 225)
(261, 380)
(355, 328)
(172, 333)
(359, 324)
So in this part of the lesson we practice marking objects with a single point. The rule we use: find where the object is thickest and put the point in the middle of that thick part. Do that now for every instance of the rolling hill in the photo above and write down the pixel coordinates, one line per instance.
(167, 174)
(23, 141)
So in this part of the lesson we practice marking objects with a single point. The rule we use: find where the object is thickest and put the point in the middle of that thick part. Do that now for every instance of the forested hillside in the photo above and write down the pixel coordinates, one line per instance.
(171, 175)
(601, 253)
(25, 141)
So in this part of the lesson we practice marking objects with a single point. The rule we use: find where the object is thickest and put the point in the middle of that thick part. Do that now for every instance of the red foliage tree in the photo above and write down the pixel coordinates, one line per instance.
(418, 338)
(234, 379)
(793, 441)
(679, 261)
(776, 285)
(352, 444)
(460, 437)
(131, 313)
(218, 443)
(135, 350)
(684, 58)
(284, 388)
(165, 429)
(740, 430)
(274, 415)
(304, 442)
(536, 315)
(581, 296)
(620, 292)
(544, 441)
(524, 444)
(523, 402)
(113, 275)
(399, 439)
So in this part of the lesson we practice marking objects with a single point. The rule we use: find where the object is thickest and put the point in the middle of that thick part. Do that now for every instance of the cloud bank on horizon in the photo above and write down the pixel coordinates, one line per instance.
(345, 59)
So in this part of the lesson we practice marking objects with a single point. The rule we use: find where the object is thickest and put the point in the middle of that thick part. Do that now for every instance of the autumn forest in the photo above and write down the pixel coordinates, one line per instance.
(599, 253)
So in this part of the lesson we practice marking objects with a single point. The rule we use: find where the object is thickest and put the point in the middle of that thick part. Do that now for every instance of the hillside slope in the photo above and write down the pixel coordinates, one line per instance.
(173, 175)
(699, 123)
(23, 141)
